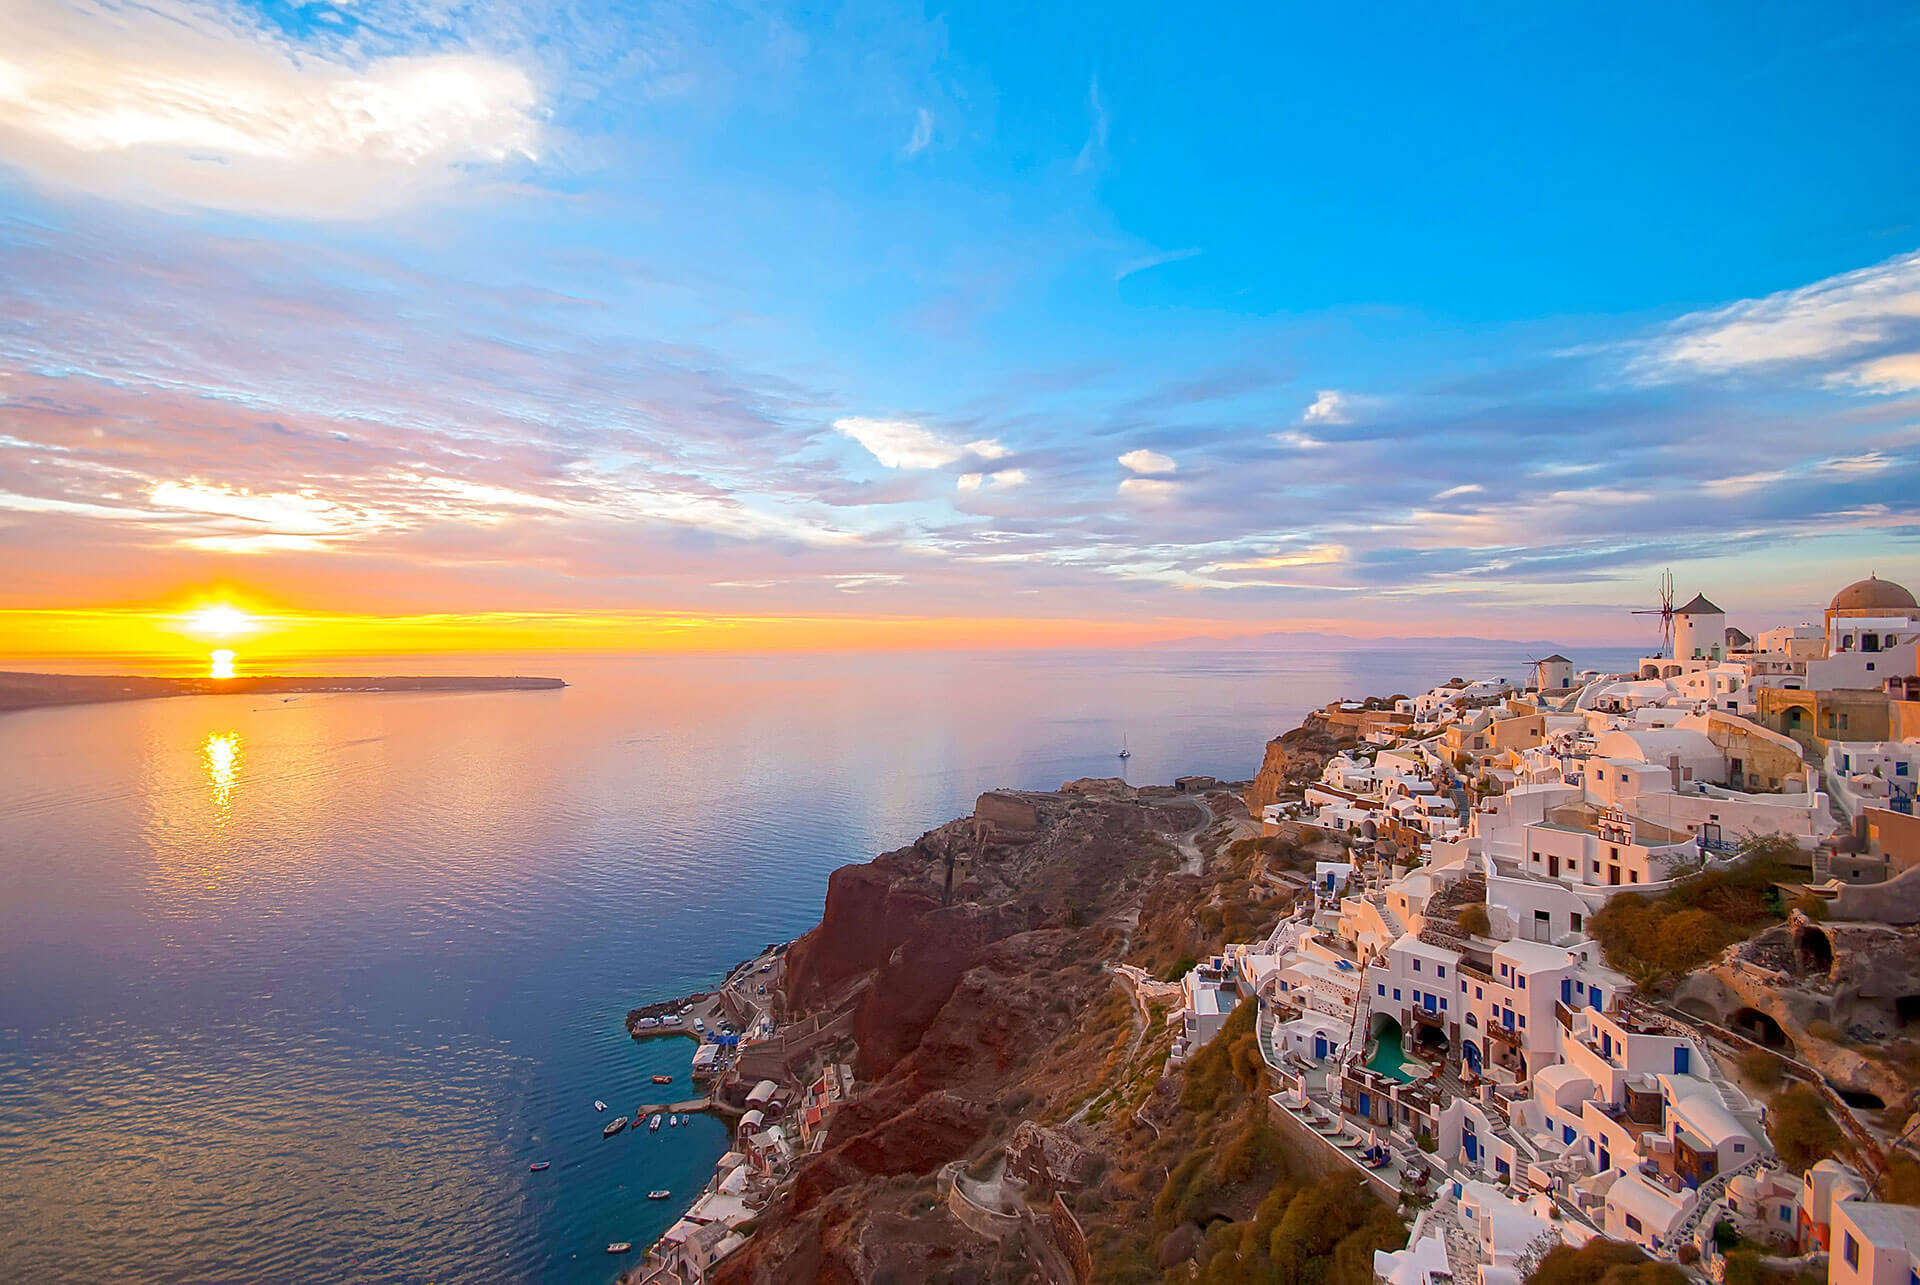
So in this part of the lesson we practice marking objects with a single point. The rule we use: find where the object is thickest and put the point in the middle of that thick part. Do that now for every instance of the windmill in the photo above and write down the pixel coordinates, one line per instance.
(1664, 611)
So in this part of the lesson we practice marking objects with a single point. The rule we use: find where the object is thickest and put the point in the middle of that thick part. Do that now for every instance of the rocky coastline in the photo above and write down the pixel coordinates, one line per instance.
(990, 991)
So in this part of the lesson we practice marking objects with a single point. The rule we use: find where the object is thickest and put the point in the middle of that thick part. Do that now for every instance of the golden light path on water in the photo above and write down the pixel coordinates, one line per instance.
(222, 752)
(220, 663)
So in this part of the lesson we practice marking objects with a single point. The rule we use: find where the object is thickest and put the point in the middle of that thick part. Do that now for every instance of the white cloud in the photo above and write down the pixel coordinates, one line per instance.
(1454, 492)
(178, 103)
(1093, 154)
(1330, 406)
(1829, 320)
(922, 136)
(1006, 477)
(1742, 483)
(1141, 264)
(1899, 373)
(1298, 440)
(1869, 462)
(1145, 461)
(1318, 555)
(1152, 490)
(901, 443)
(283, 513)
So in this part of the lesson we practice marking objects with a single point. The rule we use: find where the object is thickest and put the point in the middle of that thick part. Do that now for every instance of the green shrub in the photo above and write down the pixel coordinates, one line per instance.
(1603, 1262)
(1762, 1068)
(1473, 920)
(1801, 1129)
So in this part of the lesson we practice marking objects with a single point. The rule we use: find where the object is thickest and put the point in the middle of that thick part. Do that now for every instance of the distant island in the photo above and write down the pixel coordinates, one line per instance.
(31, 691)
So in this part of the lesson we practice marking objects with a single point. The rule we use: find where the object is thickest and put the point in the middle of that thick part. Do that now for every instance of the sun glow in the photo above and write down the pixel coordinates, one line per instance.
(219, 620)
(220, 663)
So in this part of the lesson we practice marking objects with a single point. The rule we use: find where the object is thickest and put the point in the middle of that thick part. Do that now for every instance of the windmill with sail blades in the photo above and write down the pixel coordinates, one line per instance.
(1664, 611)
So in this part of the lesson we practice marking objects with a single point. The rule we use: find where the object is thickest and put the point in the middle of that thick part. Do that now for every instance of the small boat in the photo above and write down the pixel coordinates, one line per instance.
(658, 1195)
(539, 1166)
(653, 1125)
(619, 1123)
(620, 1247)
(673, 1122)
(598, 1105)
(663, 1079)
(1125, 753)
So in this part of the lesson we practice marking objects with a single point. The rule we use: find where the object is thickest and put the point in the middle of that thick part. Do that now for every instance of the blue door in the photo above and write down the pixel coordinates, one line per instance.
(1471, 1145)
(1320, 1047)
(1681, 1059)
(1366, 1107)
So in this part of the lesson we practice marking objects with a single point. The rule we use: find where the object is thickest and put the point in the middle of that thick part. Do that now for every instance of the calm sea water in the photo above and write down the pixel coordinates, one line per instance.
(302, 987)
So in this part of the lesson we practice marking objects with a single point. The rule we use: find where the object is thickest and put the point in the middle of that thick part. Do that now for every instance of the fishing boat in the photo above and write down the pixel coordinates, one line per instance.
(663, 1079)
(653, 1125)
(619, 1123)
(538, 1166)
(598, 1105)
(620, 1247)
(658, 1195)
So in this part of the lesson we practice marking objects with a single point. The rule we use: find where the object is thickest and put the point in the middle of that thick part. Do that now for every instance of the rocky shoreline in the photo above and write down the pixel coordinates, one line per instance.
(951, 1048)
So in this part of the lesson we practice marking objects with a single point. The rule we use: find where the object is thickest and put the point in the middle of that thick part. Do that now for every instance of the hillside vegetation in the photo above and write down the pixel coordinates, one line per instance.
(1656, 940)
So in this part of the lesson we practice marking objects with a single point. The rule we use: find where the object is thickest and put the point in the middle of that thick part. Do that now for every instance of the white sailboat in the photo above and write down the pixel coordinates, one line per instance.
(1125, 753)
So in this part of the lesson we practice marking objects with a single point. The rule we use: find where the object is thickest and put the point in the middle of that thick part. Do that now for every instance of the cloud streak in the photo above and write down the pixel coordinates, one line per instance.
(186, 104)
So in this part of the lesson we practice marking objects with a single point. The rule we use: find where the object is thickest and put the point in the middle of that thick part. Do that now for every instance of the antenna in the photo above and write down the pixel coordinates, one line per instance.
(1664, 611)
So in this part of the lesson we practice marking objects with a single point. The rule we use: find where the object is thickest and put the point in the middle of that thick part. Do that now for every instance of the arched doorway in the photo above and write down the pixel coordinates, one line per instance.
(1815, 950)
(1759, 1028)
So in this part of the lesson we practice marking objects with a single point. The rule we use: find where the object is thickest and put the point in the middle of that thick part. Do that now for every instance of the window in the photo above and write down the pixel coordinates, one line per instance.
(1850, 1250)
(1382, 990)
(1574, 919)
(1523, 982)
(1443, 1003)
(1416, 965)
(1633, 876)
(1478, 993)
(1739, 1148)
(1396, 994)
(1633, 1223)
(1443, 967)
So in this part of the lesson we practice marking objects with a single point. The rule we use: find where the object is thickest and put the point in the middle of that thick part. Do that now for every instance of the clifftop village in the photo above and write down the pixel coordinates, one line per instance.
(1604, 957)
(1441, 1011)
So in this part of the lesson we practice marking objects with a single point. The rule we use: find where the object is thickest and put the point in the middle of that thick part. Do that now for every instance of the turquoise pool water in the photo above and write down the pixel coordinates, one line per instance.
(1390, 1060)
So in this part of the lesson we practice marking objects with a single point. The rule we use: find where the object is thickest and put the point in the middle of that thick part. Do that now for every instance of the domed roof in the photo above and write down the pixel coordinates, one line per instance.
(1872, 594)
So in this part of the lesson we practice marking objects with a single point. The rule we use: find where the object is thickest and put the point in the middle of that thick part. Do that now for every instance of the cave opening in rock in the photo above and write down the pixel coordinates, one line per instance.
(1861, 1100)
(1907, 1009)
(1759, 1028)
(1816, 951)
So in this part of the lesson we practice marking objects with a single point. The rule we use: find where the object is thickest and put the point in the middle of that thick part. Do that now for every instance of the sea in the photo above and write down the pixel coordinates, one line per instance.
(300, 988)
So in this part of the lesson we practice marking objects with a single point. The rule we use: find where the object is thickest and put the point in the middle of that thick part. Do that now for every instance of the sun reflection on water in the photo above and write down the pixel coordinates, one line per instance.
(222, 753)
(220, 663)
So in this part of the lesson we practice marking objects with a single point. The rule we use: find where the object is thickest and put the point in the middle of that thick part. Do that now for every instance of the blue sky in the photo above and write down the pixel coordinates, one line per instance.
(1401, 321)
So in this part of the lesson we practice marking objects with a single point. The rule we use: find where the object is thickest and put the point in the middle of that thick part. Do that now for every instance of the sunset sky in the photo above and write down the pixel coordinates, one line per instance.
(521, 325)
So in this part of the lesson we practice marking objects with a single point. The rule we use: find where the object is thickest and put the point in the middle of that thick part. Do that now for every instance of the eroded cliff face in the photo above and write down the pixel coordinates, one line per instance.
(1293, 760)
(962, 957)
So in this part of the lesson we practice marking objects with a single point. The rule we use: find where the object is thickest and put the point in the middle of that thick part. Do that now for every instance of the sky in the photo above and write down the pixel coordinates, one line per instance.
(459, 324)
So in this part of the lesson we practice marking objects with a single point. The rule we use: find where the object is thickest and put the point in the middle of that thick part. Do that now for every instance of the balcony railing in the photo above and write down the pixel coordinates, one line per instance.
(1506, 1035)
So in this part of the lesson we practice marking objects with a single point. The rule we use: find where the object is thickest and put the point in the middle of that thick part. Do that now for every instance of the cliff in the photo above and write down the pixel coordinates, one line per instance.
(1294, 759)
(996, 1130)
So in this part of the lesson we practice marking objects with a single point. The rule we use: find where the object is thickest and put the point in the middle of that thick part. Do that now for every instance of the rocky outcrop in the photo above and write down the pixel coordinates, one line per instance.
(1832, 996)
(1294, 759)
(960, 958)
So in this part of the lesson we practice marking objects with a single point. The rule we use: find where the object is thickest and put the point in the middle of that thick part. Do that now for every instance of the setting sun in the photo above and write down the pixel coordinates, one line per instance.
(221, 664)
(220, 620)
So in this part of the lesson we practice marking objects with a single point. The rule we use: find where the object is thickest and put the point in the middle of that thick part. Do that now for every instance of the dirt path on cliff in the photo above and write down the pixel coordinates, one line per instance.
(1188, 841)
